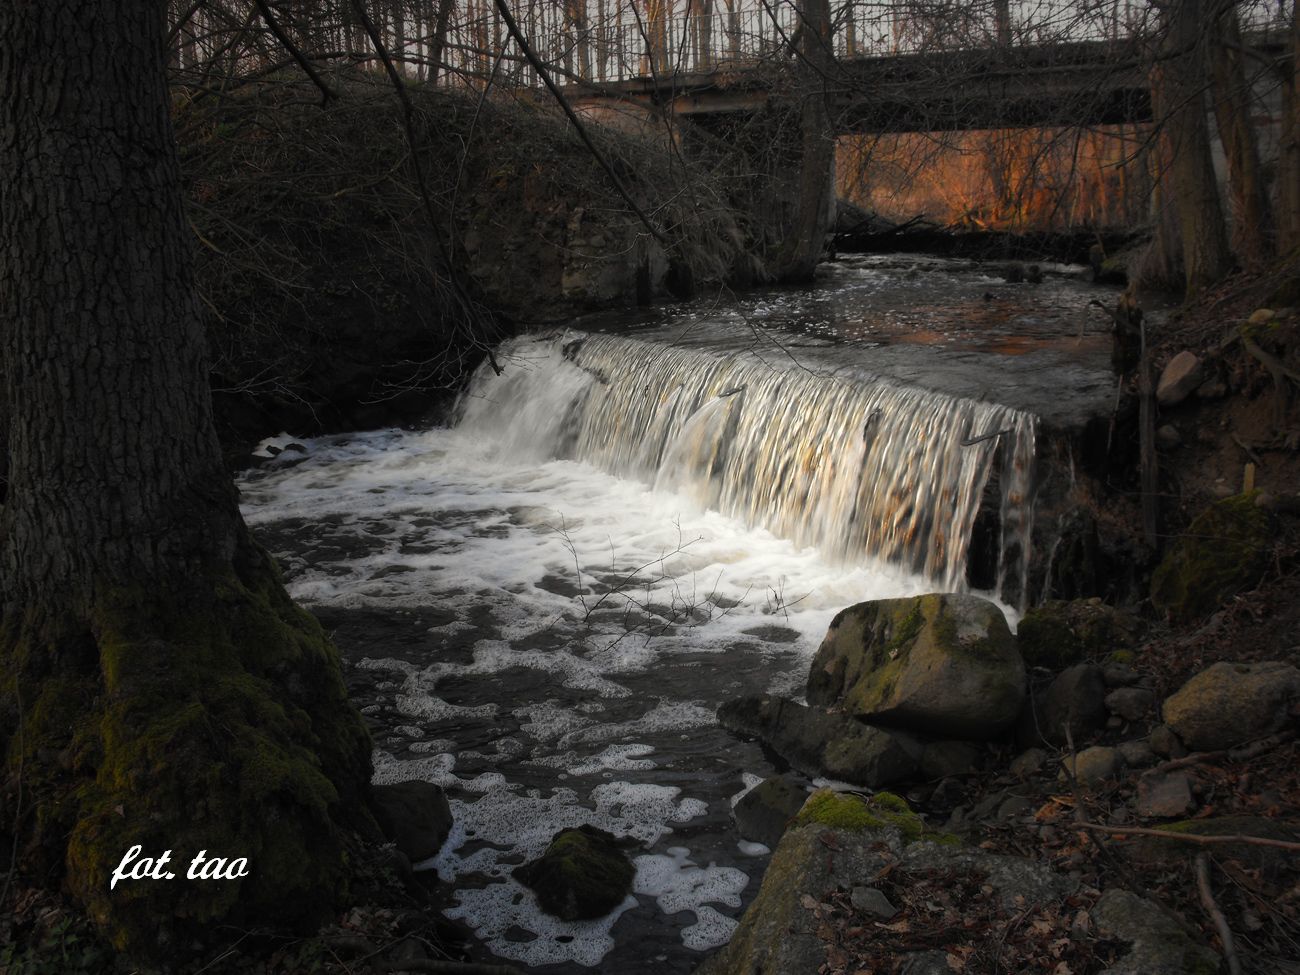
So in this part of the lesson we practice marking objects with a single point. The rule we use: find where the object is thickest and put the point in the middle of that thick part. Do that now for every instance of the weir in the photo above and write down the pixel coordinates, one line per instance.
(863, 469)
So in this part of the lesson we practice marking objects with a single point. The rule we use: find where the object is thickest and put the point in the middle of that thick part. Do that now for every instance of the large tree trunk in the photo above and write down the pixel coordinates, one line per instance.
(1178, 87)
(1252, 224)
(157, 686)
(814, 207)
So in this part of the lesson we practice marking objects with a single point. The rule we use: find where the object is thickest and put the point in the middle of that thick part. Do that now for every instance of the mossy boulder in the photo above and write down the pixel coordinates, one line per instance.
(583, 874)
(842, 839)
(1064, 632)
(1223, 552)
(942, 664)
(1230, 703)
(1149, 850)
(817, 742)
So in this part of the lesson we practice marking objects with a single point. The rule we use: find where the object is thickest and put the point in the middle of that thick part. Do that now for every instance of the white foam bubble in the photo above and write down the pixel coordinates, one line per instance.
(678, 884)
(750, 781)
(615, 758)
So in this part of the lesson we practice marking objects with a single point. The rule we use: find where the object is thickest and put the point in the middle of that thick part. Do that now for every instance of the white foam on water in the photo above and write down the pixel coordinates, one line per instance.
(678, 884)
(494, 910)
(751, 781)
(615, 758)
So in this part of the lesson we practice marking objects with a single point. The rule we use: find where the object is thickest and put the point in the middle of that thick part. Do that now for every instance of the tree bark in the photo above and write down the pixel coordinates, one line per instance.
(1178, 86)
(802, 248)
(157, 686)
(1248, 200)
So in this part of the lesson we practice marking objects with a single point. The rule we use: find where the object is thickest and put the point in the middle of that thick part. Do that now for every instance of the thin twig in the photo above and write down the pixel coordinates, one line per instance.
(1216, 915)
(1194, 837)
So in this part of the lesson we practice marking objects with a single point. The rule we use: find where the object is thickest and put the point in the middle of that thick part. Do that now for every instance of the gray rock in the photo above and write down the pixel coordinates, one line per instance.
(1168, 437)
(1137, 754)
(1228, 704)
(1012, 806)
(414, 815)
(941, 759)
(817, 742)
(1179, 379)
(941, 664)
(1130, 703)
(1028, 763)
(1165, 743)
(764, 812)
(868, 900)
(1164, 795)
(1095, 765)
(1075, 700)
(1158, 945)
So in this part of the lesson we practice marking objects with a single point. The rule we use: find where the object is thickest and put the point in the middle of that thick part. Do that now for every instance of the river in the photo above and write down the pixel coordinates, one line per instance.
(542, 605)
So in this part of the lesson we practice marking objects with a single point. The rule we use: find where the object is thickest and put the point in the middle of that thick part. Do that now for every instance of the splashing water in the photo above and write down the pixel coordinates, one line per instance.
(859, 468)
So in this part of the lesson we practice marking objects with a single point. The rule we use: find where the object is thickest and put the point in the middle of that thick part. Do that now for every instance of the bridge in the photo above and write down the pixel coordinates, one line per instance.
(894, 65)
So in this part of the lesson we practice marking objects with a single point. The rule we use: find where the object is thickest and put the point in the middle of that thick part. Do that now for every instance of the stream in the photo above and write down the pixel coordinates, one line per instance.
(541, 606)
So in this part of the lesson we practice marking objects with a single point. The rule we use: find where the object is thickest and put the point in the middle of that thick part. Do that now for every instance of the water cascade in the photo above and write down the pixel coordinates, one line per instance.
(860, 468)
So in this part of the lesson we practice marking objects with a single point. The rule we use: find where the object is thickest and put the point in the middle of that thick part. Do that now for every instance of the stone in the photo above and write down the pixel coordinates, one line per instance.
(582, 875)
(1147, 850)
(1095, 765)
(1261, 316)
(764, 812)
(1130, 703)
(1076, 700)
(414, 815)
(1013, 806)
(817, 742)
(1223, 552)
(1165, 743)
(1158, 944)
(1228, 704)
(1213, 388)
(779, 933)
(1179, 379)
(868, 900)
(1168, 437)
(942, 664)
(1064, 632)
(1164, 795)
(941, 759)
(933, 962)
(1137, 754)
(1028, 763)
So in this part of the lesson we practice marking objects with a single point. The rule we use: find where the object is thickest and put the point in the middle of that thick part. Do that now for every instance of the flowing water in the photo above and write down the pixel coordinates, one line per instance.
(542, 606)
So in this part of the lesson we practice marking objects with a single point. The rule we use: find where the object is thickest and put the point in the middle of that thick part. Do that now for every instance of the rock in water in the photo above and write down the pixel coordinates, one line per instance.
(764, 812)
(582, 875)
(414, 815)
(1229, 704)
(817, 742)
(943, 664)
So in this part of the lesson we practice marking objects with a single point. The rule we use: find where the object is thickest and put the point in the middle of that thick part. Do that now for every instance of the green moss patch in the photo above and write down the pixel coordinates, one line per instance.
(1223, 552)
(884, 810)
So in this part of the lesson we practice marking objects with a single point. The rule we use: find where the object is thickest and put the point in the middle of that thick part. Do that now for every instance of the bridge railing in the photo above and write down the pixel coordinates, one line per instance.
(619, 40)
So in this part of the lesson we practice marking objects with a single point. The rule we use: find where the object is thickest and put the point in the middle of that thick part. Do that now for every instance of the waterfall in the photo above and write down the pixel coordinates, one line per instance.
(859, 467)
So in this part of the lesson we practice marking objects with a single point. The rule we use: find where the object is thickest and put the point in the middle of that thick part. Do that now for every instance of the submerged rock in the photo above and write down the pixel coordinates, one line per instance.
(1228, 704)
(582, 875)
(942, 664)
(414, 815)
(764, 812)
(817, 742)
(1224, 551)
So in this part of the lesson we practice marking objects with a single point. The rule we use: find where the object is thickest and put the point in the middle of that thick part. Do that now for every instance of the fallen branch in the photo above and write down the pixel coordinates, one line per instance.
(1216, 915)
(1241, 754)
(1193, 837)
